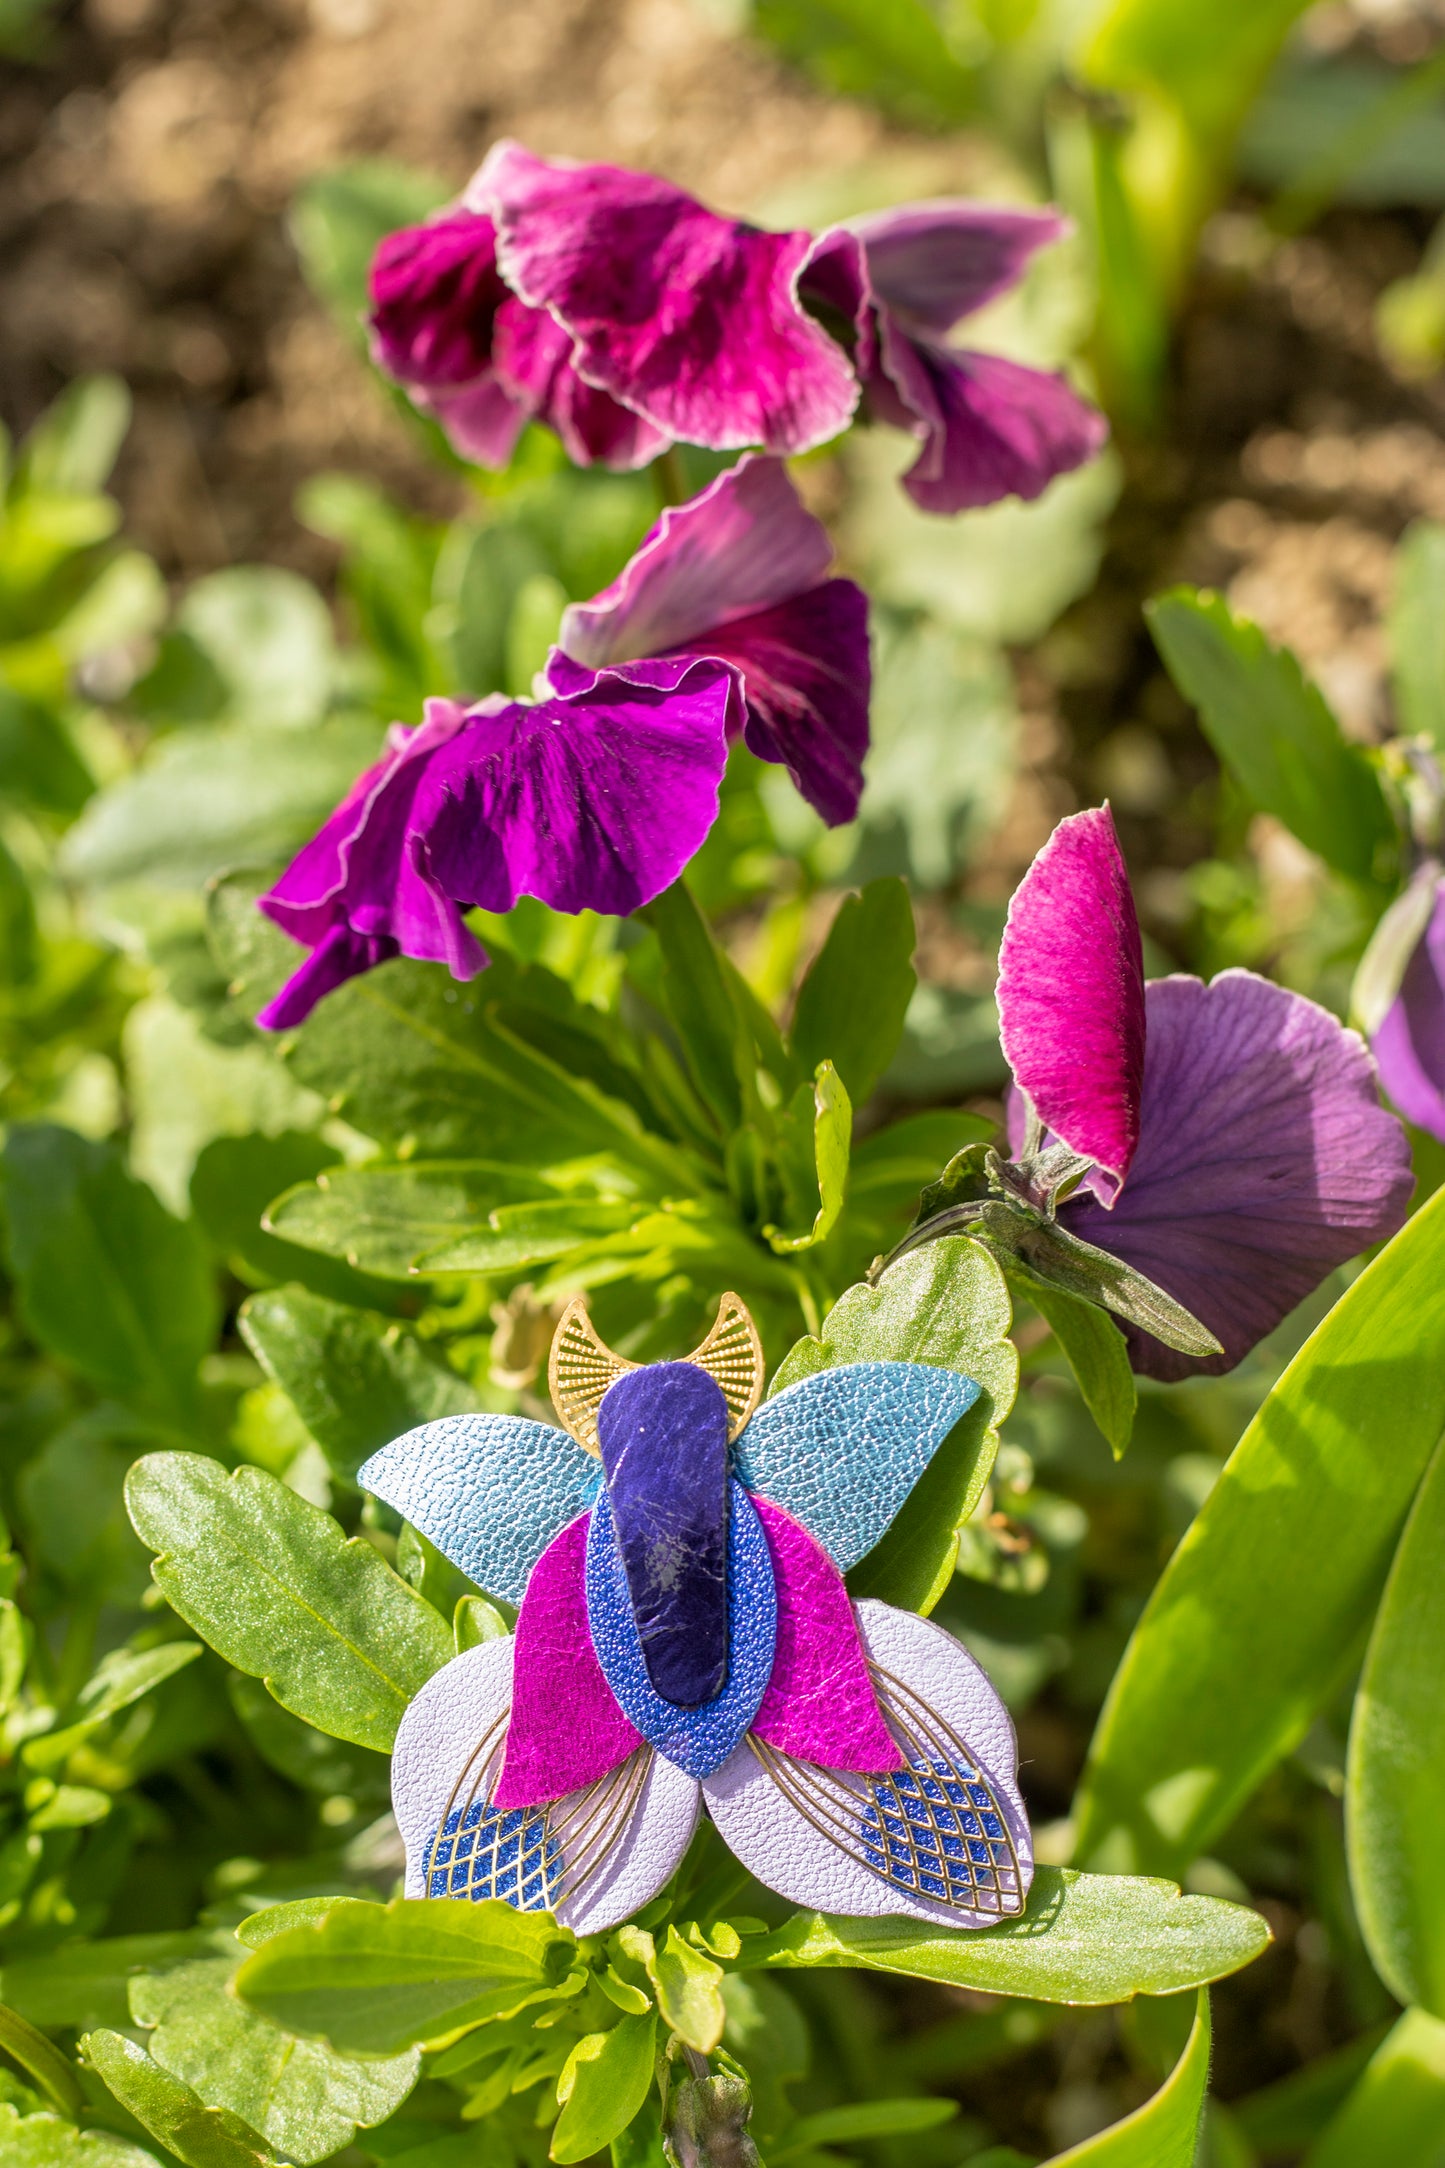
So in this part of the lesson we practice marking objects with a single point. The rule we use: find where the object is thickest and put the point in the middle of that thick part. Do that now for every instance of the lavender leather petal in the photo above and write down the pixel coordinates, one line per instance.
(435, 293)
(1264, 1160)
(741, 545)
(990, 428)
(841, 1450)
(696, 1739)
(490, 1491)
(692, 320)
(566, 1729)
(820, 1705)
(785, 1849)
(1071, 994)
(590, 801)
(663, 1431)
(935, 262)
(437, 1739)
(1410, 1043)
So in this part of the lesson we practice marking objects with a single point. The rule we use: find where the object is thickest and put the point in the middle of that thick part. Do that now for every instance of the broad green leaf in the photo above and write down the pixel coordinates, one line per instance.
(703, 1004)
(1263, 1604)
(337, 219)
(38, 761)
(41, 2060)
(383, 1219)
(687, 1984)
(329, 1768)
(851, 1005)
(303, 2097)
(1395, 2115)
(864, 2119)
(1083, 1938)
(85, 1985)
(277, 1589)
(44, 2141)
(1208, 65)
(1097, 1355)
(72, 448)
(535, 1233)
(199, 2136)
(895, 56)
(822, 1148)
(1395, 1799)
(1272, 728)
(604, 2083)
(1286, 2116)
(1165, 2132)
(355, 1380)
(108, 1281)
(267, 634)
(946, 1304)
(474, 1621)
(122, 1678)
(235, 1179)
(1417, 631)
(373, 1979)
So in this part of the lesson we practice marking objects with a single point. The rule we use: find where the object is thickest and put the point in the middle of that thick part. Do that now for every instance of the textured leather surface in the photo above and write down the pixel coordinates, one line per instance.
(785, 1850)
(490, 1491)
(820, 1705)
(842, 1449)
(434, 1742)
(698, 1740)
(663, 1431)
(566, 1730)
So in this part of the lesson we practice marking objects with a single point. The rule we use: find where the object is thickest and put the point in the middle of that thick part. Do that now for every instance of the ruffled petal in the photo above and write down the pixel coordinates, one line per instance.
(1410, 1044)
(1071, 994)
(990, 428)
(435, 293)
(820, 1705)
(534, 368)
(482, 421)
(593, 1857)
(591, 801)
(944, 1837)
(934, 263)
(1264, 1161)
(692, 320)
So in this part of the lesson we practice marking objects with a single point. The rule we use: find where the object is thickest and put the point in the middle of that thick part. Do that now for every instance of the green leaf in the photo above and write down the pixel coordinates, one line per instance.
(337, 219)
(1165, 2132)
(122, 1678)
(44, 2141)
(1395, 2115)
(604, 2083)
(1097, 1355)
(199, 2136)
(1263, 1604)
(823, 1147)
(267, 635)
(235, 1179)
(895, 56)
(1395, 1797)
(687, 1985)
(475, 1621)
(86, 1985)
(1417, 631)
(1286, 2116)
(42, 2060)
(383, 1219)
(299, 2094)
(863, 2119)
(108, 1281)
(72, 448)
(703, 1003)
(329, 1768)
(38, 760)
(1083, 1938)
(355, 1380)
(277, 1589)
(377, 1978)
(1273, 729)
(852, 1003)
(946, 1304)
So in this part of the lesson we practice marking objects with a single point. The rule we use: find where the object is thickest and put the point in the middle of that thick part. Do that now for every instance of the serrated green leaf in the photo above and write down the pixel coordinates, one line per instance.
(86, 1985)
(235, 1180)
(853, 1000)
(604, 2083)
(1165, 2131)
(373, 1979)
(1417, 631)
(1394, 2115)
(687, 1985)
(1083, 1938)
(199, 2136)
(44, 2141)
(1263, 1604)
(278, 1590)
(305, 2099)
(1097, 1355)
(384, 1219)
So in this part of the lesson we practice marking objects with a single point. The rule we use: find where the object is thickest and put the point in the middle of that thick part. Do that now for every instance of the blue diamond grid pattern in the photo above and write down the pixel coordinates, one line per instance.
(484, 1851)
(936, 1829)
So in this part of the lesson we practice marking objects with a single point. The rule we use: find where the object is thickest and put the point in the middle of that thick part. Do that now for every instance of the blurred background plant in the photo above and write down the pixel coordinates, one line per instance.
(192, 669)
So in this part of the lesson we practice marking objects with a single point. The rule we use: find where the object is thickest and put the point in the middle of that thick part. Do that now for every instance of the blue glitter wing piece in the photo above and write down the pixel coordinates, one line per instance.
(490, 1491)
(696, 1740)
(842, 1449)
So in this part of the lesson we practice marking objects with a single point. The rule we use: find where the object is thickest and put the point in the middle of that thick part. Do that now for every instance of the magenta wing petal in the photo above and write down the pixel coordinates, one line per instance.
(989, 427)
(1410, 1044)
(934, 263)
(820, 1705)
(1264, 1160)
(1071, 994)
(566, 1729)
(692, 320)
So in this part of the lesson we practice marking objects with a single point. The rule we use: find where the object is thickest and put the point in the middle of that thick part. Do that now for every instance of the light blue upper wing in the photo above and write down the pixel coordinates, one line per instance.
(841, 1450)
(490, 1491)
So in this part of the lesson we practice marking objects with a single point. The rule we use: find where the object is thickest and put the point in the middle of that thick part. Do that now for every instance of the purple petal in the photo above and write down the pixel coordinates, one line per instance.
(742, 545)
(1264, 1160)
(692, 320)
(593, 800)
(534, 366)
(933, 263)
(1071, 994)
(1410, 1044)
(990, 428)
(482, 421)
(435, 292)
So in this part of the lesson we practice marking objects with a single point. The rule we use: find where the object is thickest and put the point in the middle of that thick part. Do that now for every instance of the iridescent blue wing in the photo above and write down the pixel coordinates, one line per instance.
(490, 1491)
(842, 1449)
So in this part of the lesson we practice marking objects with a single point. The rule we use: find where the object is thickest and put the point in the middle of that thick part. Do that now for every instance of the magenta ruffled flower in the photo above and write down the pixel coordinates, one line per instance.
(620, 311)
(1234, 1165)
(1409, 1044)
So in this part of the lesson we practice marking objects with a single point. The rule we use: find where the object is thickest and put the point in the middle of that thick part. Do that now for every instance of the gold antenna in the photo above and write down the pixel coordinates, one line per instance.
(732, 1354)
(580, 1368)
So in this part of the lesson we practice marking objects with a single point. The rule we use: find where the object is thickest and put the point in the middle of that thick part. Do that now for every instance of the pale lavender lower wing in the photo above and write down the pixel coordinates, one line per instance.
(945, 1838)
(592, 1857)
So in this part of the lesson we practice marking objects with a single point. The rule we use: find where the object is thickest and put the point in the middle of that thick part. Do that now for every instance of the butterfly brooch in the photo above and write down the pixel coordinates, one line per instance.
(685, 1640)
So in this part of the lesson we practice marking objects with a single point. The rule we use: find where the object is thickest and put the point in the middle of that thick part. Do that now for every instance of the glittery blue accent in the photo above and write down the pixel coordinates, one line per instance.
(490, 1491)
(919, 1831)
(696, 1740)
(842, 1449)
(494, 1852)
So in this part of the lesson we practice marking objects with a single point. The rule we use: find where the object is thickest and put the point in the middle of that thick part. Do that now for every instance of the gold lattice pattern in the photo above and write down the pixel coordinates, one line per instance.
(732, 1353)
(580, 1368)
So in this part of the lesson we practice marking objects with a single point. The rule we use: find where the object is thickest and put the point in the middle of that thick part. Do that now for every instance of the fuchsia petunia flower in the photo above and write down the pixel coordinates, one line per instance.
(1409, 1040)
(620, 311)
(595, 795)
(1233, 1146)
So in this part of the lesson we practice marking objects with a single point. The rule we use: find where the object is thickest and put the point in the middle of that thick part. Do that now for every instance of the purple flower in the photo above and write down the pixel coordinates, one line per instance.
(1409, 1044)
(620, 311)
(1244, 1158)
(740, 573)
